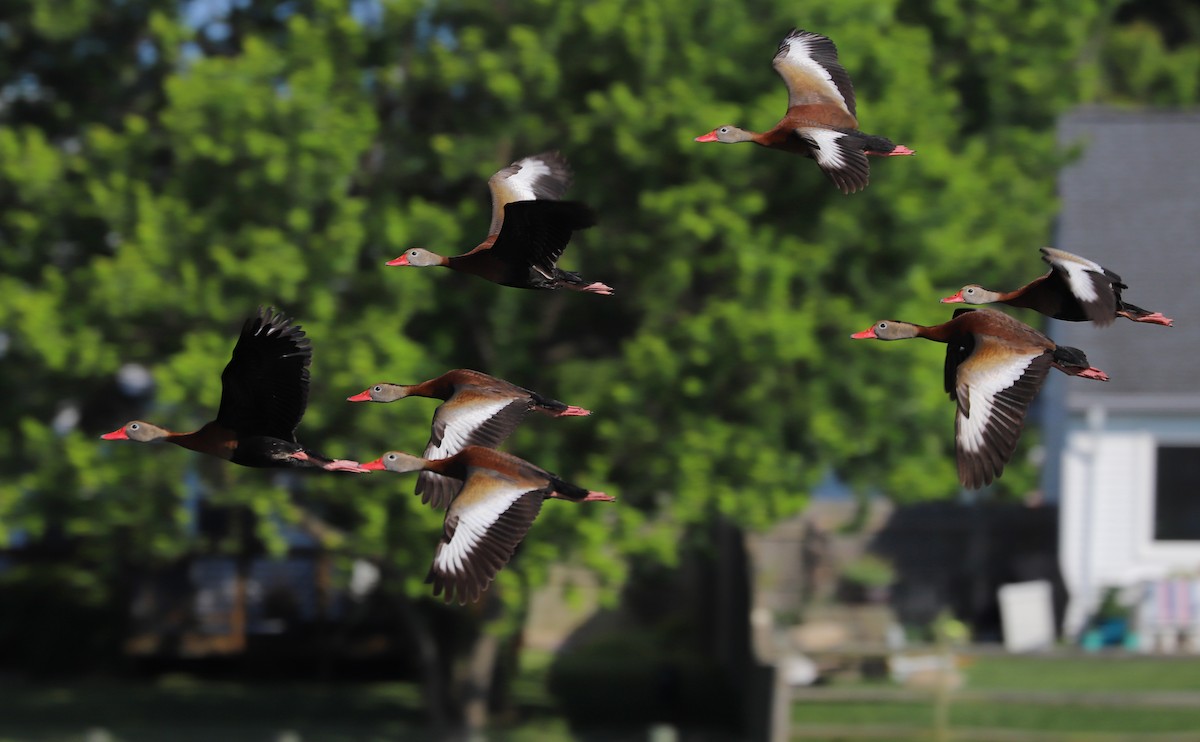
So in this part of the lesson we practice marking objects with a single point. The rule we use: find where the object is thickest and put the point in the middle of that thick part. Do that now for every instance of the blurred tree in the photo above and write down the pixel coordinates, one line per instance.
(1150, 54)
(165, 167)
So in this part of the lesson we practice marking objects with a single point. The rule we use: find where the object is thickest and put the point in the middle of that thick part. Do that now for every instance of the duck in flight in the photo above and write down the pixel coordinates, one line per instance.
(530, 229)
(821, 121)
(995, 366)
(477, 410)
(496, 501)
(264, 391)
(1075, 290)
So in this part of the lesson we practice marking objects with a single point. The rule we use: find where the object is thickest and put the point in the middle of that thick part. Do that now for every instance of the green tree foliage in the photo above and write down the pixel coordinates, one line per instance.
(164, 169)
(1151, 55)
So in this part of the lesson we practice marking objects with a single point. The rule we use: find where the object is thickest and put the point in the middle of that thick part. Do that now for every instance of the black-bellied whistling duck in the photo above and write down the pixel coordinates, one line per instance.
(530, 229)
(820, 121)
(498, 499)
(478, 410)
(994, 368)
(1076, 290)
(264, 390)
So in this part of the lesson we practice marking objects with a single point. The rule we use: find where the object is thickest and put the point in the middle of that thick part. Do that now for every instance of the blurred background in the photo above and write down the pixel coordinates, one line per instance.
(790, 555)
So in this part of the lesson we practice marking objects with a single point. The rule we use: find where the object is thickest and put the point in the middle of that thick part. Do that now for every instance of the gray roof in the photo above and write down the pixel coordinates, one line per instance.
(1131, 202)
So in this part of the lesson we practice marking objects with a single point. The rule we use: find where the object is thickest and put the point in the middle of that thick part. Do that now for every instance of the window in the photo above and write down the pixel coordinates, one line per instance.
(1177, 494)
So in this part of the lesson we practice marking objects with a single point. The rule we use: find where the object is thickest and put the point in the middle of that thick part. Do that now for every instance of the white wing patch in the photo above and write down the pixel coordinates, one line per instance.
(1081, 277)
(521, 183)
(981, 394)
(1062, 257)
(474, 520)
(800, 55)
(459, 423)
(828, 152)
(545, 175)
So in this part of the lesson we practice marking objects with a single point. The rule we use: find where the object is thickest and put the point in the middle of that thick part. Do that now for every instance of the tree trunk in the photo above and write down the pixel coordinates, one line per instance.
(433, 679)
(477, 682)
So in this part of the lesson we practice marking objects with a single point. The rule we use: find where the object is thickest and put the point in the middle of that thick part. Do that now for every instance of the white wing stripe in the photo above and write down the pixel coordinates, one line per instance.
(474, 520)
(828, 152)
(799, 54)
(1081, 274)
(981, 395)
(1080, 279)
(521, 183)
(1063, 258)
(460, 423)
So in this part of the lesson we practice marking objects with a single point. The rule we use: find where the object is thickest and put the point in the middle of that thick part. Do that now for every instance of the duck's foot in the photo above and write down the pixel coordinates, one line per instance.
(334, 465)
(1154, 318)
(597, 288)
(1092, 373)
(345, 465)
(573, 411)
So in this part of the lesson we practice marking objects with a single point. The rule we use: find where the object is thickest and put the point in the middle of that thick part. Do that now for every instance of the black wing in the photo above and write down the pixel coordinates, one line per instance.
(264, 387)
(958, 349)
(535, 233)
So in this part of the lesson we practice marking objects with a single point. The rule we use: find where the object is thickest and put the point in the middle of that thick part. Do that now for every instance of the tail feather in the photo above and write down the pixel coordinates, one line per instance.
(575, 282)
(547, 404)
(1074, 362)
(1065, 355)
(555, 407)
(1137, 314)
(567, 491)
(883, 147)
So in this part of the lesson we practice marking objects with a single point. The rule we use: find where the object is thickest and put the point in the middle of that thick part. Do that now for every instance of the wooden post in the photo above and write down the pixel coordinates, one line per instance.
(768, 704)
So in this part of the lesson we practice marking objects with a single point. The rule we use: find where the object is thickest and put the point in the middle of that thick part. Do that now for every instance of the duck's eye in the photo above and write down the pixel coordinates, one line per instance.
(881, 326)
(134, 426)
(412, 253)
(377, 389)
(391, 457)
(724, 129)
(970, 291)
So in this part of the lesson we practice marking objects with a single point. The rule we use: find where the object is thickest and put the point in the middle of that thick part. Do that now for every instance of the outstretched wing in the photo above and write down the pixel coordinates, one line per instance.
(264, 387)
(483, 527)
(1090, 284)
(839, 155)
(541, 176)
(994, 388)
(478, 422)
(808, 64)
(535, 233)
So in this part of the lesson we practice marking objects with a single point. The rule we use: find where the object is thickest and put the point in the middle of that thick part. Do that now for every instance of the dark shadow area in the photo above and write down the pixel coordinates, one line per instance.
(950, 556)
(675, 651)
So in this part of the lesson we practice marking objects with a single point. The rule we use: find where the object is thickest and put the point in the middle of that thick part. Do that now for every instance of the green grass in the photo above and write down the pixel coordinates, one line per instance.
(1064, 709)
(178, 708)
(1083, 673)
(970, 714)
(181, 708)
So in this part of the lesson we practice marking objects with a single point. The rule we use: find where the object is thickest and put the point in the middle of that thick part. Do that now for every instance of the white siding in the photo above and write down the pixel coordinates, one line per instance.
(1107, 518)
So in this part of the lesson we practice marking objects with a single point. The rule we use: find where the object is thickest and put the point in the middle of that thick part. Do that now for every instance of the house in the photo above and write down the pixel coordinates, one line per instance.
(1123, 458)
